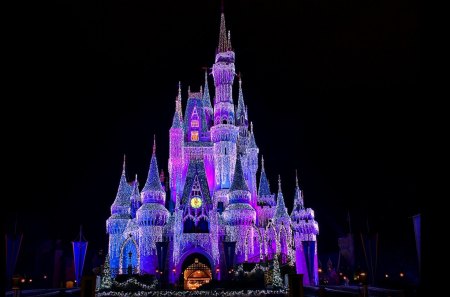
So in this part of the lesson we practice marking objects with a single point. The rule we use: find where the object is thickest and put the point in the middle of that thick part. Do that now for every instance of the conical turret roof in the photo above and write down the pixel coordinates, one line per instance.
(239, 183)
(153, 183)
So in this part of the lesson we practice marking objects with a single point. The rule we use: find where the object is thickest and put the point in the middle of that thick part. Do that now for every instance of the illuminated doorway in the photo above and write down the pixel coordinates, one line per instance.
(196, 274)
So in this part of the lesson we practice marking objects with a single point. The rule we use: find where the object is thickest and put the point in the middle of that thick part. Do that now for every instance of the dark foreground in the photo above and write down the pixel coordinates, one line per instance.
(330, 291)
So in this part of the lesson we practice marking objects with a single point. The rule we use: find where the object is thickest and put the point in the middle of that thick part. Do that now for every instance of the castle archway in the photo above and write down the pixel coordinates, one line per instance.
(196, 271)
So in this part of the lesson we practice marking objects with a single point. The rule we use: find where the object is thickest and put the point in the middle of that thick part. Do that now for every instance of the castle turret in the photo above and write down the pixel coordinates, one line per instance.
(305, 232)
(252, 165)
(207, 103)
(176, 134)
(151, 217)
(224, 133)
(117, 222)
(281, 215)
(239, 215)
(135, 198)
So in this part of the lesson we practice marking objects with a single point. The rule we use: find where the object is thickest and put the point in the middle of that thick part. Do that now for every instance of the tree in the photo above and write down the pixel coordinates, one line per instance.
(277, 280)
(106, 281)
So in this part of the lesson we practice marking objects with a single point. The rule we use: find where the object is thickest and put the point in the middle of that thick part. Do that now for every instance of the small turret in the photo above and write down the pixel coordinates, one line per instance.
(281, 214)
(264, 195)
(241, 118)
(135, 198)
(121, 204)
(153, 190)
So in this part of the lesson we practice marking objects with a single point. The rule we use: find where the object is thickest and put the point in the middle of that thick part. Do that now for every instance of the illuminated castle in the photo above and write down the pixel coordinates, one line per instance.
(213, 213)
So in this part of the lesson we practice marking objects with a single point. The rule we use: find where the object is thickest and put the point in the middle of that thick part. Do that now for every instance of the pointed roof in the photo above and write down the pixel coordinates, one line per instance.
(224, 46)
(252, 143)
(280, 210)
(178, 107)
(176, 123)
(135, 189)
(123, 192)
(298, 197)
(264, 189)
(206, 98)
(153, 183)
(241, 105)
(196, 168)
(239, 183)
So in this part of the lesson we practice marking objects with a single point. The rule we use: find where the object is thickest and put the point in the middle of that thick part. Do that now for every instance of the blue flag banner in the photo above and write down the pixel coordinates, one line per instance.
(309, 250)
(79, 253)
(416, 221)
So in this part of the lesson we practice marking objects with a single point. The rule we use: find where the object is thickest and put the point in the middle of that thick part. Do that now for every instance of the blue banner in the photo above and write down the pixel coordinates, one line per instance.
(309, 248)
(79, 253)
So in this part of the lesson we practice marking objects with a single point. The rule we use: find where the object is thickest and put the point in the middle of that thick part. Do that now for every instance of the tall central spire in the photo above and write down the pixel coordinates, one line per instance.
(224, 44)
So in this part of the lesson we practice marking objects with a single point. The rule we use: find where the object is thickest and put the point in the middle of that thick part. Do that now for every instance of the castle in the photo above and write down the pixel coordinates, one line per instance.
(212, 215)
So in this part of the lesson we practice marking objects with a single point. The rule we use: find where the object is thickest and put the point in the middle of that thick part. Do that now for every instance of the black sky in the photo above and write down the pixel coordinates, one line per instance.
(330, 87)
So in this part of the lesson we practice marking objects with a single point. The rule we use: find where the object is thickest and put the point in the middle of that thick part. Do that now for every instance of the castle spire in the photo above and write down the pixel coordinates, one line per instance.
(153, 183)
(124, 164)
(223, 40)
(252, 142)
(178, 108)
(240, 112)
(206, 98)
(178, 114)
(122, 201)
(264, 189)
(238, 183)
(280, 210)
(298, 197)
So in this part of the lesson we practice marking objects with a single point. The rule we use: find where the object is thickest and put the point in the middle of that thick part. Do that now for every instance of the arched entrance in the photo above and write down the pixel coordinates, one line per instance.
(196, 271)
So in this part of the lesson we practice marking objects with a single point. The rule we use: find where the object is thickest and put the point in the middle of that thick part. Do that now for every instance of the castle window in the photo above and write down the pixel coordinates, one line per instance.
(194, 135)
(194, 123)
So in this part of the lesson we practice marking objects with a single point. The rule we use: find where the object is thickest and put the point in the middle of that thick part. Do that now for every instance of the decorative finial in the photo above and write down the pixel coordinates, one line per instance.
(229, 40)
(189, 90)
(279, 183)
(135, 177)
(262, 162)
(179, 90)
(154, 144)
(201, 90)
(296, 178)
(124, 161)
(251, 127)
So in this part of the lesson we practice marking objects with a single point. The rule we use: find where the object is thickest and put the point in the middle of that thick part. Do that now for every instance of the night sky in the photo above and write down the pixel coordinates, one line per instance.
(329, 85)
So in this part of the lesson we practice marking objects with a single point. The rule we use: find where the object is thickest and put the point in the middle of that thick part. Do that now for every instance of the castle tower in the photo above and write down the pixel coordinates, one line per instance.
(175, 165)
(135, 198)
(305, 232)
(117, 222)
(252, 165)
(240, 216)
(266, 200)
(224, 133)
(151, 217)
(207, 103)
(282, 223)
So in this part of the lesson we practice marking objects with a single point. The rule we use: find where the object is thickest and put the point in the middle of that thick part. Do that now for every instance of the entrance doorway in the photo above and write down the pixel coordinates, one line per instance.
(196, 271)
